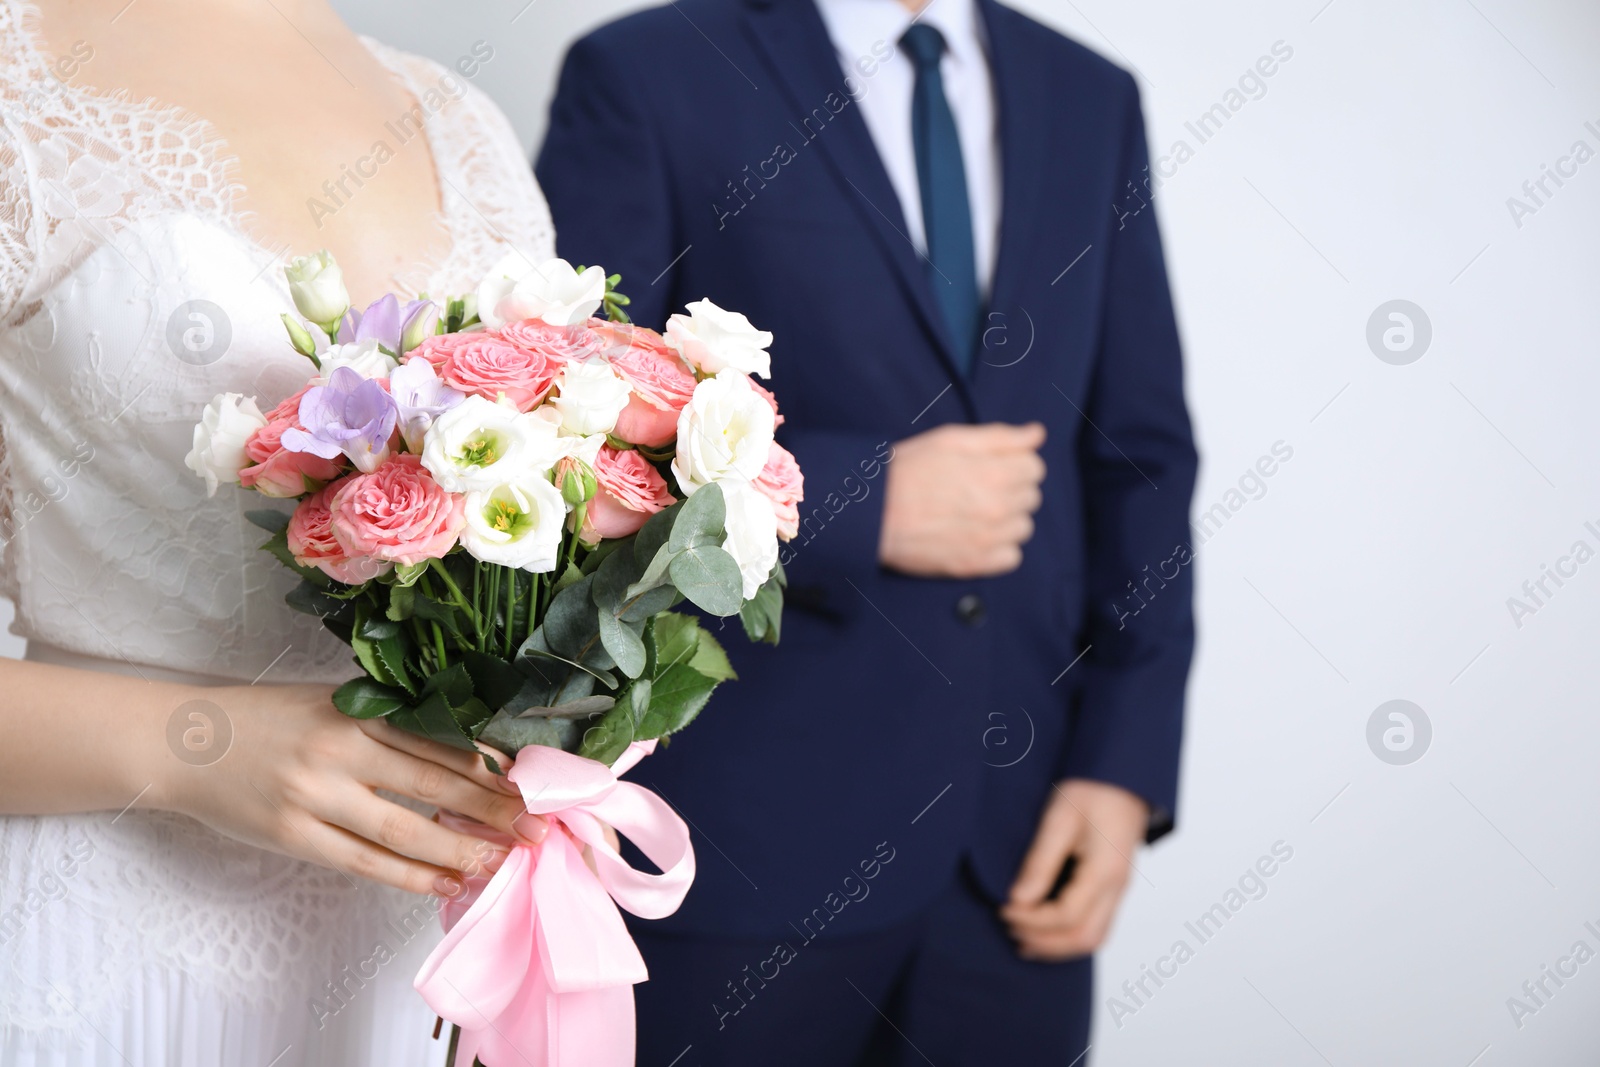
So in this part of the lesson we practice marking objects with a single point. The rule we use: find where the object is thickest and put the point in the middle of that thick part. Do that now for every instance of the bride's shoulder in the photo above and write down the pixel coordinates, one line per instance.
(439, 88)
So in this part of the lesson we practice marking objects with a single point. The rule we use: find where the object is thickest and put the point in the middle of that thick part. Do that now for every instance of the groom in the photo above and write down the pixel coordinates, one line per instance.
(915, 817)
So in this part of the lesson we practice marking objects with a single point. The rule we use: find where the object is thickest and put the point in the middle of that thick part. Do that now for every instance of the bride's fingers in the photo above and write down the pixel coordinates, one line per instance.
(351, 855)
(467, 764)
(406, 834)
(421, 778)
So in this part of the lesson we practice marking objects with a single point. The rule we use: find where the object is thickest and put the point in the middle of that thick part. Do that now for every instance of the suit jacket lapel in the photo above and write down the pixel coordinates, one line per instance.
(793, 41)
(1022, 167)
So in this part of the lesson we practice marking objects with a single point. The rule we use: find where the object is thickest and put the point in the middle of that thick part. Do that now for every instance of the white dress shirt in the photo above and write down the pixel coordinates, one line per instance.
(866, 34)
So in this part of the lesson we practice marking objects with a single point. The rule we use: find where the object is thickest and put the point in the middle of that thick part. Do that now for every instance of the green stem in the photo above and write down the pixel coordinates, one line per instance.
(477, 601)
(535, 586)
(455, 591)
(511, 610)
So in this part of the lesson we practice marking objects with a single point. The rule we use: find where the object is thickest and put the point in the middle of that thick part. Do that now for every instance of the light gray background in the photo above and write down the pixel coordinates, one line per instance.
(1378, 563)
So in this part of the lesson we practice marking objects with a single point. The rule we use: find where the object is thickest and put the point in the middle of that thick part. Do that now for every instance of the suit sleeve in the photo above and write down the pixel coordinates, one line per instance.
(602, 171)
(1137, 455)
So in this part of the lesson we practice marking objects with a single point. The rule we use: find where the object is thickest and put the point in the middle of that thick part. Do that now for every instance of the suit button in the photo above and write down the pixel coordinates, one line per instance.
(970, 610)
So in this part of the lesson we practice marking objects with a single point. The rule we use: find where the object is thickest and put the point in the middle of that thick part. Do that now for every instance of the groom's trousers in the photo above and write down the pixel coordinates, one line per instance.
(944, 987)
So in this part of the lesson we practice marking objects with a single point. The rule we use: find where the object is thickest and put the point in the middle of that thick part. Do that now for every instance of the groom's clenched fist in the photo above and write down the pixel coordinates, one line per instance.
(960, 500)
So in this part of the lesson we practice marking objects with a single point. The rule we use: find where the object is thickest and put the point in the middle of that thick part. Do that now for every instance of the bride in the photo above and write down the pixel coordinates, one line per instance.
(196, 866)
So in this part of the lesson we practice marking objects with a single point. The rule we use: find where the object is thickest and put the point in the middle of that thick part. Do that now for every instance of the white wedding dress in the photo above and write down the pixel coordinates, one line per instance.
(143, 937)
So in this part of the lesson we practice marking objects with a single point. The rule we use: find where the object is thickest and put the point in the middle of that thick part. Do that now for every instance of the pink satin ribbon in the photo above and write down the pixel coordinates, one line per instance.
(538, 971)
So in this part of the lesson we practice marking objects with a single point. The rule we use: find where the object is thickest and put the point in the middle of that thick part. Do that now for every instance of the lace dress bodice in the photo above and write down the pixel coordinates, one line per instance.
(119, 231)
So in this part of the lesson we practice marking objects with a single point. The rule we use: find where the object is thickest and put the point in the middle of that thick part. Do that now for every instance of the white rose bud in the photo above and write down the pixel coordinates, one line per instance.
(714, 340)
(517, 524)
(592, 395)
(481, 444)
(724, 433)
(553, 291)
(317, 285)
(219, 438)
(752, 538)
(363, 357)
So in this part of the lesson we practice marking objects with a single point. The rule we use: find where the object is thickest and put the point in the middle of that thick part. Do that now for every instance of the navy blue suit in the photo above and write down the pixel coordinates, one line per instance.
(711, 149)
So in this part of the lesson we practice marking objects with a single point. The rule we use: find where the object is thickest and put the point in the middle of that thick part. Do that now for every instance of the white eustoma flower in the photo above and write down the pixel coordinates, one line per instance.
(591, 396)
(363, 357)
(518, 288)
(317, 285)
(516, 524)
(752, 538)
(219, 438)
(480, 444)
(724, 433)
(715, 340)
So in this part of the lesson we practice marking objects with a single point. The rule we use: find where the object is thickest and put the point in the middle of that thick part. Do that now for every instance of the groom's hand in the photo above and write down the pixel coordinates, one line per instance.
(960, 500)
(1101, 826)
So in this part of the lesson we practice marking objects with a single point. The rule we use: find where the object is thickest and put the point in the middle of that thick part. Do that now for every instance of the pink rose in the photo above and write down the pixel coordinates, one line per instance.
(629, 490)
(436, 348)
(563, 344)
(487, 366)
(780, 481)
(661, 384)
(277, 472)
(767, 395)
(397, 513)
(312, 543)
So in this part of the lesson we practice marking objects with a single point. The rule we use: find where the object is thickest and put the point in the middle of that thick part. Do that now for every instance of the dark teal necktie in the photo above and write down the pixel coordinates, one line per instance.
(946, 213)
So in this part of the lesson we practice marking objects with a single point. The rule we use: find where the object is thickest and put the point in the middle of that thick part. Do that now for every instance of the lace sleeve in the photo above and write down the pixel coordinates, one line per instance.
(16, 218)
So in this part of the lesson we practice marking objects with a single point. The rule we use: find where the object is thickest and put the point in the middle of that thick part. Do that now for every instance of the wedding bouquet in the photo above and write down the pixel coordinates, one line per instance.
(501, 500)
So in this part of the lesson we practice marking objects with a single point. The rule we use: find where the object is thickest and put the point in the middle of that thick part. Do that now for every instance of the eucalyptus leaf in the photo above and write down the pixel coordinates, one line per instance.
(709, 578)
(578, 709)
(655, 532)
(612, 580)
(512, 735)
(622, 641)
(650, 603)
(655, 573)
(762, 615)
(701, 522)
(569, 621)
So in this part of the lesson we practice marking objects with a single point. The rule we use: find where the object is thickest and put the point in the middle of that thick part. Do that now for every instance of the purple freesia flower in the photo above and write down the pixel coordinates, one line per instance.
(420, 397)
(351, 415)
(386, 322)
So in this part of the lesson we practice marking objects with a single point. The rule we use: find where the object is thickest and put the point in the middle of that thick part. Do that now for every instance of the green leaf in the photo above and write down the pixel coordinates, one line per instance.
(613, 579)
(401, 602)
(709, 578)
(453, 683)
(511, 735)
(571, 576)
(674, 639)
(701, 522)
(433, 719)
(676, 698)
(394, 653)
(494, 681)
(278, 545)
(622, 641)
(608, 737)
(655, 533)
(762, 615)
(446, 615)
(472, 716)
(599, 554)
(569, 621)
(710, 659)
(270, 521)
(308, 599)
(654, 574)
(363, 698)
(651, 603)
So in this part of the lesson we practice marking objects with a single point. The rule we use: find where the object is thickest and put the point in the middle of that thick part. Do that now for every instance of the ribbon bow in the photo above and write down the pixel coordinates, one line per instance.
(540, 969)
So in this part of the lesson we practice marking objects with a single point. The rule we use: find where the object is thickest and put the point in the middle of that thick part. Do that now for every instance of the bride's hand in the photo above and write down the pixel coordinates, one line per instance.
(300, 778)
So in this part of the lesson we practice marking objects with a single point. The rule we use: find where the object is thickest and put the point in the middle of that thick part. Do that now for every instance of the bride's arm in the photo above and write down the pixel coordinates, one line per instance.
(296, 776)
